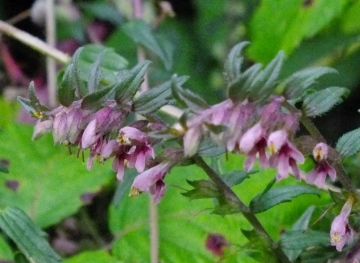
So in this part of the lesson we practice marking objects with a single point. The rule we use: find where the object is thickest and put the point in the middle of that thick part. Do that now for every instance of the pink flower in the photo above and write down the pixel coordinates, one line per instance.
(340, 232)
(284, 155)
(252, 143)
(152, 181)
(318, 175)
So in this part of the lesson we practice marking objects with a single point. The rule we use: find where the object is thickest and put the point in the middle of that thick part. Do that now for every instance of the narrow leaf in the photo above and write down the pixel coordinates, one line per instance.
(75, 76)
(155, 98)
(202, 189)
(94, 76)
(234, 62)
(129, 83)
(349, 144)
(299, 82)
(26, 105)
(322, 101)
(279, 195)
(27, 236)
(300, 239)
(265, 82)
(141, 33)
(235, 177)
(66, 91)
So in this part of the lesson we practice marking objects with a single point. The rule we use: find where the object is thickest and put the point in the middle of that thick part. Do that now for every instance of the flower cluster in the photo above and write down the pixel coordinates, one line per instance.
(103, 133)
(256, 131)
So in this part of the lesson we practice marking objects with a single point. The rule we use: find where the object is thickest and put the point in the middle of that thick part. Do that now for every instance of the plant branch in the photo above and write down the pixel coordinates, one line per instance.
(315, 133)
(34, 42)
(226, 190)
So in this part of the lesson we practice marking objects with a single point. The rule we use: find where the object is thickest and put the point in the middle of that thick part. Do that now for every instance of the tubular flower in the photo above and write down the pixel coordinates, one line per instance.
(318, 175)
(284, 155)
(152, 181)
(340, 232)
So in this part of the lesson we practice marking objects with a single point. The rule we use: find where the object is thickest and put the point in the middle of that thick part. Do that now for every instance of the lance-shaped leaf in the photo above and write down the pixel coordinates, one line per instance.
(94, 76)
(141, 33)
(322, 101)
(301, 224)
(299, 82)
(300, 239)
(128, 84)
(278, 195)
(32, 105)
(265, 82)
(155, 98)
(66, 90)
(186, 97)
(75, 79)
(27, 236)
(349, 144)
(236, 177)
(234, 62)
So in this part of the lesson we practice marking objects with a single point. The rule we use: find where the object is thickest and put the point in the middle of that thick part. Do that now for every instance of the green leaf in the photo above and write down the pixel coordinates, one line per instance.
(49, 182)
(94, 76)
(3, 168)
(202, 189)
(95, 100)
(235, 177)
(283, 24)
(300, 239)
(186, 97)
(349, 144)
(103, 11)
(127, 85)
(155, 98)
(300, 81)
(322, 101)
(98, 256)
(319, 254)
(32, 105)
(141, 33)
(265, 82)
(279, 195)
(27, 236)
(208, 148)
(301, 224)
(234, 62)
(67, 86)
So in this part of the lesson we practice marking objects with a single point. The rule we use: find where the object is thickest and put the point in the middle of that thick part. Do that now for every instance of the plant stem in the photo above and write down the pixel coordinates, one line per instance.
(315, 133)
(230, 195)
(34, 43)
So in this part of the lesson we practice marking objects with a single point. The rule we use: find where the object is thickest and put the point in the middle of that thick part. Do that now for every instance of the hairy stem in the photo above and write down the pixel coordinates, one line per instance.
(229, 194)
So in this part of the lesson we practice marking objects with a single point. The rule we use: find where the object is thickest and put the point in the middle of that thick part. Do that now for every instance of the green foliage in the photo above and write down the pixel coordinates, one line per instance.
(300, 239)
(322, 101)
(98, 256)
(43, 180)
(348, 144)
(283, 24)
(27, 236)
(278, 195)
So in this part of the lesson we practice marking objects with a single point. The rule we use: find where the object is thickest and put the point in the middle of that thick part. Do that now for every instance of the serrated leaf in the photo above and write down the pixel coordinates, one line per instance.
(155, 98)
(186, 97)
(349, 144)
(27, 236)
(322, 101)
(301, 224)
(275, 196)
(94, 100)
(300, 239)
(299, 82)
(127, 86)
(141, 33)
(94, 76)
